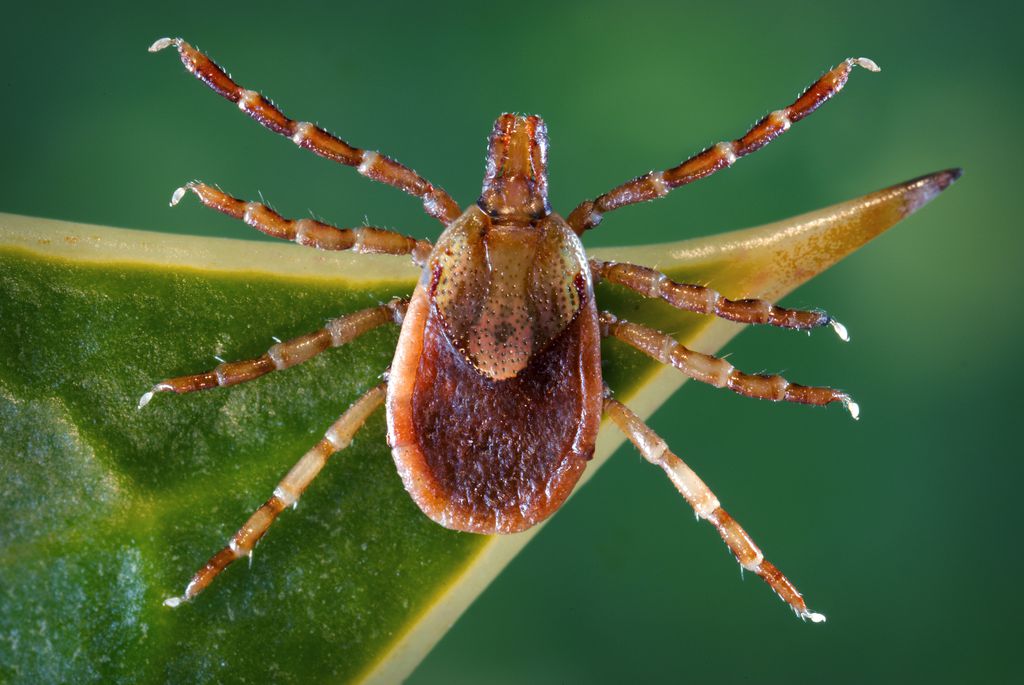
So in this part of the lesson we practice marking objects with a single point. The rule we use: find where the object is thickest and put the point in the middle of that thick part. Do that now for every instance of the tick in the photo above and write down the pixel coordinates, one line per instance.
(494, 397)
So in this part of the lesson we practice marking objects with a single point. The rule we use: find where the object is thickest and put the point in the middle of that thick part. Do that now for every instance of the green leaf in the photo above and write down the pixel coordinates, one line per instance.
(109, 509)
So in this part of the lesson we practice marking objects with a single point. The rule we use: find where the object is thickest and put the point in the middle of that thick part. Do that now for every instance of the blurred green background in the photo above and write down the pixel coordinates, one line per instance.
(901, 528)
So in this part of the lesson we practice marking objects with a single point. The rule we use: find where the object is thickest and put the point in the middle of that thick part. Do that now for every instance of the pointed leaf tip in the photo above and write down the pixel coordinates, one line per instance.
(769, 261)
(922, 190)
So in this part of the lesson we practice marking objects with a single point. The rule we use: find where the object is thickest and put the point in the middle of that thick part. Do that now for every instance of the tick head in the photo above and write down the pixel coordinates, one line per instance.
(516, 181)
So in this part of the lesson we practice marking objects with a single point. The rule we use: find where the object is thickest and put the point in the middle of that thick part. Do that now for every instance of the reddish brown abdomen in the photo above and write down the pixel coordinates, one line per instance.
(485, 455)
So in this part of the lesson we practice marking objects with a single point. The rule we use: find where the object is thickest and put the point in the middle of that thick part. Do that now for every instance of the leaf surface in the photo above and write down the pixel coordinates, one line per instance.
(109, 510)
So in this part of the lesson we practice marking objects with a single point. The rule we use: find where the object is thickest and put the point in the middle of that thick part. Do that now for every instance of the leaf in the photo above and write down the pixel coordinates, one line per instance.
(109, 510)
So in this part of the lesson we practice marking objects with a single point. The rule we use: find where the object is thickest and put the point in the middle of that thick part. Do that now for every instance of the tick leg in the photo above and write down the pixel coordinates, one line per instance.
(287, 492)
(656, 184)
(376, 166)
(309, 232)
(337, 332)
(716, 371)
(703, 300)
(706, 506)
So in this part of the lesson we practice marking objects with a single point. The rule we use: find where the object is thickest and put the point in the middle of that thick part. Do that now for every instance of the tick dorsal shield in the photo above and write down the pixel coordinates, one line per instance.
(504, 292)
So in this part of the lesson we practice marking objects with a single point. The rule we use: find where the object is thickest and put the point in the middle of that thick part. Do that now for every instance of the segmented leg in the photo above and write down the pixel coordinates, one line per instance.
(287, 492)
(365, 239)
(706, 505)
(703, 300)
(283, 355)
(436, 201)
(716, 371)
(656, 184)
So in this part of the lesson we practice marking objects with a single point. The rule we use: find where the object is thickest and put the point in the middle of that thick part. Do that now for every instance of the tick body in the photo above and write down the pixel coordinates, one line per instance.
(494, 397)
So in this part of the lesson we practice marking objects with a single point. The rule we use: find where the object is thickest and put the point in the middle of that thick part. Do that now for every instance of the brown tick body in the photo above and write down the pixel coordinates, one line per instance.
(495, 397)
